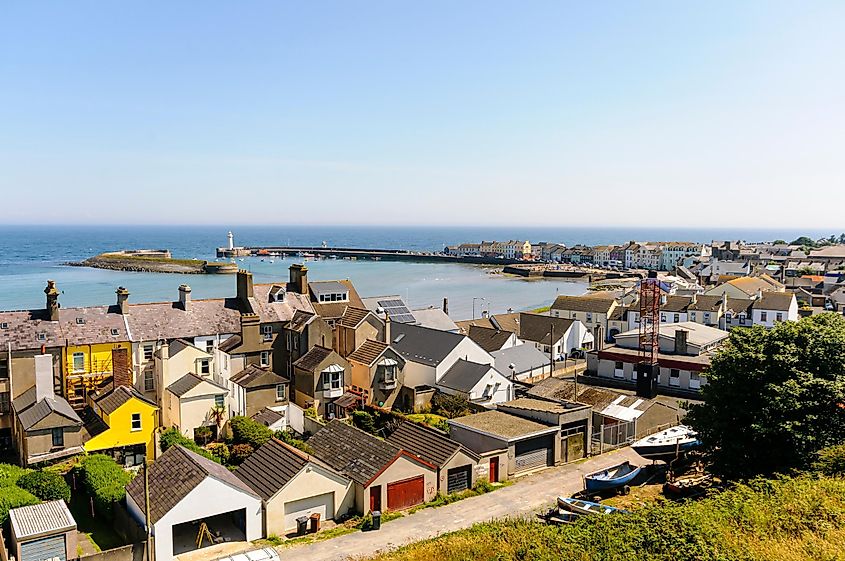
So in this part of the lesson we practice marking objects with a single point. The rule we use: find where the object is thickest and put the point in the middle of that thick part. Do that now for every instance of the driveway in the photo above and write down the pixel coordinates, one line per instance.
(525, 497)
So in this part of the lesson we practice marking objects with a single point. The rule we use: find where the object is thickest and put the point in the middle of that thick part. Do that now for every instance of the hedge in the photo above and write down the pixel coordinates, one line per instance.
(104, 480)
(14, 497)
(247, 431)
(45, 485)
(10, 473)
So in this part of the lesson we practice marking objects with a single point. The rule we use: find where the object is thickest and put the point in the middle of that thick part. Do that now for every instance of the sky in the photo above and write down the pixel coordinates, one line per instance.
(699, 114)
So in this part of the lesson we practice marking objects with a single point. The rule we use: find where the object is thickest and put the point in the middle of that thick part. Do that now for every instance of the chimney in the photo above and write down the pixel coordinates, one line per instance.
(681, 341)
(122, 300)
(446, 306)
(759, 293)
(663, 299)
(43, 377)
(244, 288)
(724, 302)
(299, 278)
(121, 369)
(52, 300)
(185, 296)
(387, 329)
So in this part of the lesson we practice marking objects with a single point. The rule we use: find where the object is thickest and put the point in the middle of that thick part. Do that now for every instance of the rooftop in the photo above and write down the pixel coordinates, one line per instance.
(502, 425)
(426, 442)
(351, 451)
(582, 304)
(48, 518)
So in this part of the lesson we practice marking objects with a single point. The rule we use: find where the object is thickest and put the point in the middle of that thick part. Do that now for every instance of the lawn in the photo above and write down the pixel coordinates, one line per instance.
(99, 529)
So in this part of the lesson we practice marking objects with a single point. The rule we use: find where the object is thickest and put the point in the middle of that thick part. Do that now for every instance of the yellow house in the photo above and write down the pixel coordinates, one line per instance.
(92, 335)
(123, 422)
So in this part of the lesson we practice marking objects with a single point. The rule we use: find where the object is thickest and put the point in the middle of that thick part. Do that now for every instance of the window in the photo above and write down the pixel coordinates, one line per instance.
(79, 362)
(663, 318)
(80, 321)
(204, 366)
(4, 368)
(674, 377)
(265, 358)
(332, 381)
(209, 346)
(677, 318)
(763, 316)
(267, 330)
(280, 392)
(779, 317)
(694, 380)
(389, 374)
(218, 401)
(58, 437)
(149, 380)
(706, 316)
(692, 315)
(618, 369)
(589, 316)
(4, 325)
(5, 402)
(136, 422)
(42, 336)
(148, 352)
(115, 332)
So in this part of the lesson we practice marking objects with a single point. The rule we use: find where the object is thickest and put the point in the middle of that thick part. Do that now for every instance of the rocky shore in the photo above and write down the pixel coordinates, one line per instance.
(120, 261)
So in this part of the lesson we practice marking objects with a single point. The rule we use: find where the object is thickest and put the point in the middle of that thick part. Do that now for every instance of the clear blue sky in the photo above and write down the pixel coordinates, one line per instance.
(453, 112)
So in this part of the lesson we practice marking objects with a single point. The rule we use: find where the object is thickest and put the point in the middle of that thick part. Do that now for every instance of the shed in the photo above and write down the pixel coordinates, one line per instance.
(43, 531)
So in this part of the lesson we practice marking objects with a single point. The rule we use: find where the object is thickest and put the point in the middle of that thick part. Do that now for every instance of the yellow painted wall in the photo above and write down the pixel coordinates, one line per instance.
(120, 431)
(97, 356)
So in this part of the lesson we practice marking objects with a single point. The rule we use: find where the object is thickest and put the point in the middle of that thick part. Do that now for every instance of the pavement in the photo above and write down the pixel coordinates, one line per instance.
(528, 495)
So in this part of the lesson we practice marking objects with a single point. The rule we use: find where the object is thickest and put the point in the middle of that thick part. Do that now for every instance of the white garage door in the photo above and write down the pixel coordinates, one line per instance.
(322, 504)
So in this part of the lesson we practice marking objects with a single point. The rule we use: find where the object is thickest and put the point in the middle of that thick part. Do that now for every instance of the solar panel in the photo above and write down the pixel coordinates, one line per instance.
(391, 303)
(403, 318)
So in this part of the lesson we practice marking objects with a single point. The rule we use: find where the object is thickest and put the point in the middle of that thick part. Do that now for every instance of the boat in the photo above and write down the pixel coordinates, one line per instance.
(579, 506)
(611, 478)
(687, 484)
(668, 444)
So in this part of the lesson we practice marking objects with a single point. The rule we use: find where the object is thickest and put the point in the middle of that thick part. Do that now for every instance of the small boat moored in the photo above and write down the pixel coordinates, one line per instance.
(612, 477)
(668, 444)
(579, 506)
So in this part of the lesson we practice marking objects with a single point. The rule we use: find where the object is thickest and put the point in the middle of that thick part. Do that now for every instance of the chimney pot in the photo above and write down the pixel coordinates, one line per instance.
(52, 300)
(122, 299)
(446, 306)
(185, 296)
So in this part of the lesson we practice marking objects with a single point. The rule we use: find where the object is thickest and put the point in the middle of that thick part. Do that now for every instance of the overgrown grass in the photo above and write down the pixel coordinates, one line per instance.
(150, 259)
(481, 487)
(800, 519)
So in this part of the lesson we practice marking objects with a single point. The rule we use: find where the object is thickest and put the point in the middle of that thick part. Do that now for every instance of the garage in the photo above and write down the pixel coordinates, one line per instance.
(407, 493)
(318, 504)
(43, 549)
(43, 531)
(457, 479)
(534, 453)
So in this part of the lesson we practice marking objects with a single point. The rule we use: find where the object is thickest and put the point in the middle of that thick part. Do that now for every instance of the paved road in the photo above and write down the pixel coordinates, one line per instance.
(525, 497)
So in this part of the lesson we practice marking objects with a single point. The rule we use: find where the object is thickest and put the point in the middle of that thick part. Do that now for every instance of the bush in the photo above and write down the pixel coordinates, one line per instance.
(104, 480)
(45, 485)
(9, 474)
(247, 431)
(288, 438)
(240, 452)
(364, 421)
(202, 435)
(831, 461)
(14, 497)
(172, 437)
(449, 406)
(220, 450)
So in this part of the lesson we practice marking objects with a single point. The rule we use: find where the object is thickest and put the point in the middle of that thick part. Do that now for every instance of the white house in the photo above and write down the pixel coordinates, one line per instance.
(190, 402)
(771, 308)
(554, 336)
(479, 383)
(187, 490)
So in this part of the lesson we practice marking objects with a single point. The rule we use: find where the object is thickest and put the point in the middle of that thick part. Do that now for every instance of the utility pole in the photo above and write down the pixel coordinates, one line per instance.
(552, 348)
(147, 510)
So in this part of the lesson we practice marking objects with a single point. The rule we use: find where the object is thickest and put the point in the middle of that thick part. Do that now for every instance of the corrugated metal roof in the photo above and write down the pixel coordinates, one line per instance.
(46, 518)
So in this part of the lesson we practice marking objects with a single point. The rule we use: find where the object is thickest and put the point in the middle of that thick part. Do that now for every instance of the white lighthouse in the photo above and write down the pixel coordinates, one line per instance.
(231, 241)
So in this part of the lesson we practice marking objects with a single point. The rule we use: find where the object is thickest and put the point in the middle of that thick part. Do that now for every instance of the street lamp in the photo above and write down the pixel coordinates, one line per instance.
(473, 304)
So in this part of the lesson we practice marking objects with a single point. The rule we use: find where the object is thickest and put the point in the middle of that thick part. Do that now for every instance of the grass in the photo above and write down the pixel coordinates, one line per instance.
(481, 487)
(786, 519)
(350, 526)
(429, 419)
(542, 310)
(99, 529)
(150, 259)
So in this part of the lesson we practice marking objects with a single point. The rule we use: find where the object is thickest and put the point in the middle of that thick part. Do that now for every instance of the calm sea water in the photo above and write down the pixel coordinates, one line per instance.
(29, 255)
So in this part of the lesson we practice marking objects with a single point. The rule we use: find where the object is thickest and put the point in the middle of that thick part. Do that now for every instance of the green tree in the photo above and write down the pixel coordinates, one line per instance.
(247, 431)
(774, 398)
(804, 241)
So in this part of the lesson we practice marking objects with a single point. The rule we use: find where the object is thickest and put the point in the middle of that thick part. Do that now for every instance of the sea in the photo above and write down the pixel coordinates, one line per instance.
(30, 255)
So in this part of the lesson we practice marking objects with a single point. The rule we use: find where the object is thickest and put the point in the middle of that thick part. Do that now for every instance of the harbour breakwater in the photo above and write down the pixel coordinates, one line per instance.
(361, 253)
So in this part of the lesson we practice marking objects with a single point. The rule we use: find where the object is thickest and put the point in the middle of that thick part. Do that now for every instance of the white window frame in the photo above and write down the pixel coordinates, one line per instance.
(203, 364)
(280, 388)
(74, 357)
(674, 381)
(220, 400)
(264, 358)
(331, 381)
(135, 418)
(149, 380)
(148, 351)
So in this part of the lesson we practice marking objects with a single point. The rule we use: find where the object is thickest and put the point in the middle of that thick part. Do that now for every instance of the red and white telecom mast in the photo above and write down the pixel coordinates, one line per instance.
(649, 341)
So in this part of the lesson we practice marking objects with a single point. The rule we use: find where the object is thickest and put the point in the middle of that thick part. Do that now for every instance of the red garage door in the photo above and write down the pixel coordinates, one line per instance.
(403, 494)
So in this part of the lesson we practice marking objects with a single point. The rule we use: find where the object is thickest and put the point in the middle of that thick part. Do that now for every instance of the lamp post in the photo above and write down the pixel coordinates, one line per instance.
(473, 304)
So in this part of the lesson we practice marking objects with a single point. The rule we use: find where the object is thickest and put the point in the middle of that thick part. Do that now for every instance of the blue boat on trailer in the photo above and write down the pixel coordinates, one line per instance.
(613, 477)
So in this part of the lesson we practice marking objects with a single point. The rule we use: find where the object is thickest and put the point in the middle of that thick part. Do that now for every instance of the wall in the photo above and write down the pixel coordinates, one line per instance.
(132, 552)
(417, 374)
(482, 469)
(477, 442)
(196, 408)
(458, 460)
(120, 434)
(261, 397)
(70, 544)
(41, 441)
(311, 481)
(209, 498)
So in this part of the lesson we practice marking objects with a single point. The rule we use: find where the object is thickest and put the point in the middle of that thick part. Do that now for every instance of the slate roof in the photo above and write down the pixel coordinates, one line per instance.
(353, 452)
(230, 343)
(188, 382)
(30, 413)
(282, 311)
(780, 301)
(503, 322)
(313, 358)
(738, 305)
(434, 318)
(421, 344)
(428, 443)
(464, 375)
(23, 329)
(368, 352)
(101, 324)
(167, 320)
(267, 417)
(502, 425)
(253, 376)
(706, 303)
(538, 328)
(52, 517)
(523, 357)
(583, 304)
(114, 399)
(174, 475)
(675, 303)
(271, 467)
(335, 310)
(488, 338)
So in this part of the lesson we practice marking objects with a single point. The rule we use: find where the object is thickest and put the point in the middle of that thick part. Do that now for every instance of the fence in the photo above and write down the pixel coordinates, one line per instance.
(610, 437)
(131, 552)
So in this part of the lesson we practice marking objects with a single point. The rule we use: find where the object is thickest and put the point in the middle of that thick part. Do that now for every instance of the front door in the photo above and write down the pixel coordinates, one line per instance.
(494, 469)
(375, 498)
